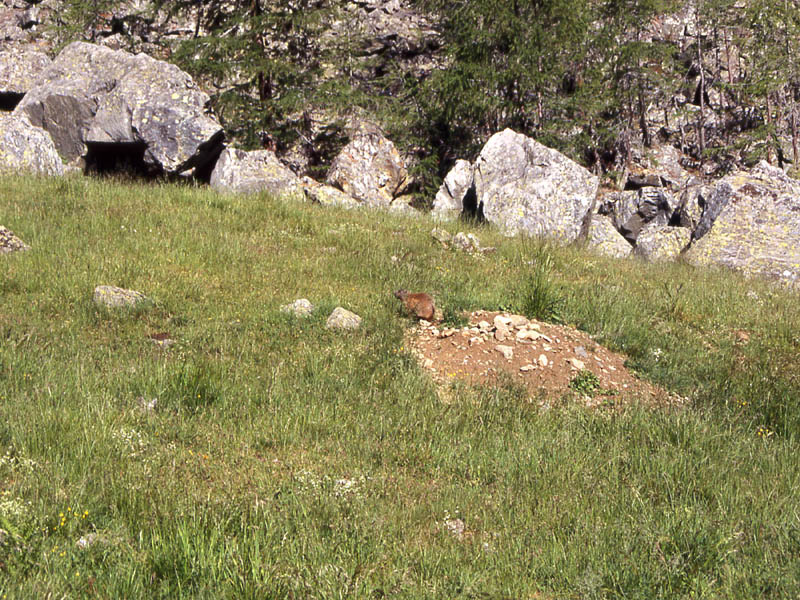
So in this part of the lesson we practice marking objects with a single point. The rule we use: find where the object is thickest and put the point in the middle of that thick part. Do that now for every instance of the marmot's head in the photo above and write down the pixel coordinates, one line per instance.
(401, 294)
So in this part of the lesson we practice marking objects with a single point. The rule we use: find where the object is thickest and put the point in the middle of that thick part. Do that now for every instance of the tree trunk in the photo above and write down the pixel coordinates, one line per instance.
(701, 126)
(770, 149)
(794, 133)
(643, 119)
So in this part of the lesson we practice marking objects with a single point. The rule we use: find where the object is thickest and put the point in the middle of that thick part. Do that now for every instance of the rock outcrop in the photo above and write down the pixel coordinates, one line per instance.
(369, 168)
(91, 95)
(756, 228)
(525, 187)
(604, 238)
(659, 243)
(24, 147)
(20, 65)
(243, 172)
(449, 202)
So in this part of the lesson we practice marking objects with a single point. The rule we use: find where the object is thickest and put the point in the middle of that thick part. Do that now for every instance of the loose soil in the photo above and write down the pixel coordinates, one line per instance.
(543, 357)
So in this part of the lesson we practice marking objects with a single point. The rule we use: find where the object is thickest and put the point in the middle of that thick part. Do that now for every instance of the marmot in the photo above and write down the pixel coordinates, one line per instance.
(419, 305)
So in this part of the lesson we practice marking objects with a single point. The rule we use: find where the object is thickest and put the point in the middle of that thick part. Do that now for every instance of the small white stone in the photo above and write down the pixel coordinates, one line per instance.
(577, 364)
(528, 367)
(506, 351)
(543, 360)
(501, 321)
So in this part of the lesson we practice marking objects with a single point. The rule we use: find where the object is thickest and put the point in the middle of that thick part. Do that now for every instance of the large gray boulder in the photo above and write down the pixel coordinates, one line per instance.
(369, 168)
(756, 228)
(525, 187)
(449, 202)
(91, 94)
(659, 243)
(20, 65)
(243, 172)
(604, 238)
(631, 211)
(24, 147)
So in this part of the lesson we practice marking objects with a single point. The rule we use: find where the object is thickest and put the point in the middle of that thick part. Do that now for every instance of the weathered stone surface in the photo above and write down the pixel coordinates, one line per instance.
(11, 21)
(24, 147)
(449, 199)
(442, 236)
(619, 207)
(402, 205)
(467, 242)
(327, 195)
(369, 168)
(630, 211)
(605, 239)
(691, 203)
(116, 297)
(91, 94)
(664, 161)
(757, 228)
(299, 308)
(659, 243)
(523, 186)
(10, 242)
(243, 172)
(342, 318)
(20, 65)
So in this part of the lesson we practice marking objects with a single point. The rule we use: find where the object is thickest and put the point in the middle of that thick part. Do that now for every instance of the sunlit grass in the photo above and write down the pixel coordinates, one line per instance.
(281, 459)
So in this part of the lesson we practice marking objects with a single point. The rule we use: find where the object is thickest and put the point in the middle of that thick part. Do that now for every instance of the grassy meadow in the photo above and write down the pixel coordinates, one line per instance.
(284, 460)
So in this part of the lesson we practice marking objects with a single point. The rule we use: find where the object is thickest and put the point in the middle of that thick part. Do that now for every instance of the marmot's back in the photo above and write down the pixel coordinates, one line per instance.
(419, 305)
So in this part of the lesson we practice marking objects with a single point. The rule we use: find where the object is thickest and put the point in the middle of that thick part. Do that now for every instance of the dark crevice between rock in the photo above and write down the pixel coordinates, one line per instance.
(9, 100)
(472, 208)
(205, 166)
(114, 158)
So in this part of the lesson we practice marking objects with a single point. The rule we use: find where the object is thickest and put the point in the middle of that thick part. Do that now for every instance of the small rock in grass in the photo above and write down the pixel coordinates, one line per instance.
(147, 405)
(88, 540)
(10, 242)
(342, 318)
(441, 236)
(528, 367)
(456, 527)
(299, 308)
(115, 297)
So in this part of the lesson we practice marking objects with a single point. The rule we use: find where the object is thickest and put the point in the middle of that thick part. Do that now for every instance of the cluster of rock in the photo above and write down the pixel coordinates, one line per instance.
(749, 221)
(109, 296)
(10, 242)
(93, 105)
(340, 318)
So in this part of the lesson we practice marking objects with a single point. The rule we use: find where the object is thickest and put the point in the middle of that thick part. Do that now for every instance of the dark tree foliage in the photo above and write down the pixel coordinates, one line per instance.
(513, 63)
(264, 60)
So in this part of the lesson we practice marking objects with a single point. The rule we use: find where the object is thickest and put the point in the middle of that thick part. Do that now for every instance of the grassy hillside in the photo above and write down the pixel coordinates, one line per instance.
(286, 460)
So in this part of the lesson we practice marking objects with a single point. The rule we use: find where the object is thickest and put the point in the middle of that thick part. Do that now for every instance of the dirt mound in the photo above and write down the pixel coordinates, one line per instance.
(550, 360)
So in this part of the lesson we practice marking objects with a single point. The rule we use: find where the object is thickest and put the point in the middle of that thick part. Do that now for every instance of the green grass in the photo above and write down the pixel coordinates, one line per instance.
(286, 460)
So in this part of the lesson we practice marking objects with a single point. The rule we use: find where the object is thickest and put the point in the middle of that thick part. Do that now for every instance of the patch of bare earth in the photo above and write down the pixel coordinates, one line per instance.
(543, 357)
